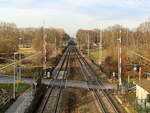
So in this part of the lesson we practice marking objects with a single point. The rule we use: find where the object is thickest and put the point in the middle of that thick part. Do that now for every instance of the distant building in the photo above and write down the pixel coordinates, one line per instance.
(143, 95)
(147, 75)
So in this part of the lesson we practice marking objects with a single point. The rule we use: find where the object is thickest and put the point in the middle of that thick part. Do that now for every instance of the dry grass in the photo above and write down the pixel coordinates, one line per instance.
(27, 50)
(78, 101)
(95, 55)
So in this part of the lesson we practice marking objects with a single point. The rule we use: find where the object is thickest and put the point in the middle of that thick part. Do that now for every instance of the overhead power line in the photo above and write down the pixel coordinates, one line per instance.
(137, 54)
(20, 60)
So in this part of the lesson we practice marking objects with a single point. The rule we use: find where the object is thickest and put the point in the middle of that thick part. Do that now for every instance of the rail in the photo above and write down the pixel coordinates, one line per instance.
(51, 90)
(90, 74)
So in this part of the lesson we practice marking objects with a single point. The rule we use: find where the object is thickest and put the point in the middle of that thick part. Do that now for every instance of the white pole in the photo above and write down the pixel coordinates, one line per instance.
(20, 60)
(128, 78)
(55, 46)
(20, 67)
(14, 85)
(100, 48)
(45, 52)
(140, 70)
(88, 45)
(119, 59)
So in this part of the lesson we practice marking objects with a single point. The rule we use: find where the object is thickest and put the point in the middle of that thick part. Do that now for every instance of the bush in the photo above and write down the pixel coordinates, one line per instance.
(109, 66)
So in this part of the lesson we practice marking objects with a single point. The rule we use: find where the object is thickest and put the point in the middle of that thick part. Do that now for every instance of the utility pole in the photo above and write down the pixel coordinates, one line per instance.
(88, 45)
(20, 59)
(20, 67)
(100, 47)
(119, 59)
(55, 46)
(45, 51)
(14, 85)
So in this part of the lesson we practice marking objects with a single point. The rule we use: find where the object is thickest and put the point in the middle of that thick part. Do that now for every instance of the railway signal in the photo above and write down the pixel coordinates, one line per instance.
(139, 70)
(136, 68)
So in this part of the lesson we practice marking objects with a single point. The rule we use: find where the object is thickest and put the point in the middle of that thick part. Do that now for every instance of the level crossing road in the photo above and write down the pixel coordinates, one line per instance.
(64, 84)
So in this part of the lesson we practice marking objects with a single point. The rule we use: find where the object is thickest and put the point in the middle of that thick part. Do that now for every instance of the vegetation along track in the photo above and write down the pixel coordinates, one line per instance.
(105, 100)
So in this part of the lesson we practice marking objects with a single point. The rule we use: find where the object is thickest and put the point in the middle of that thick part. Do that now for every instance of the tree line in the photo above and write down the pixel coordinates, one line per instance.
(137, 40)
(11, 36)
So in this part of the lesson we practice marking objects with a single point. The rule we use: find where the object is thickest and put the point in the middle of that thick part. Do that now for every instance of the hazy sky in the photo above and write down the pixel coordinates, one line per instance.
(74, 14)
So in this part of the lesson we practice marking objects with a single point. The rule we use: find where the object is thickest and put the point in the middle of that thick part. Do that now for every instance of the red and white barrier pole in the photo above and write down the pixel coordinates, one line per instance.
(140, 72)
(44, 51)
(120, 60)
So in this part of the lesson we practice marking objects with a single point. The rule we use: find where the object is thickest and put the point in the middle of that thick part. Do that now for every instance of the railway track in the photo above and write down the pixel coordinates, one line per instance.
(105, 100)
(50, 103)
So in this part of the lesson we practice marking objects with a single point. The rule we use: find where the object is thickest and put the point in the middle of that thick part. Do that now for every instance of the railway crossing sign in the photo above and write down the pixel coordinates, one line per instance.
(18, 81)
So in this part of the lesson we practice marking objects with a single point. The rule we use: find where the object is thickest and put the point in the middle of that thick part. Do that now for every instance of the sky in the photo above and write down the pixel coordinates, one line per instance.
(72, 15)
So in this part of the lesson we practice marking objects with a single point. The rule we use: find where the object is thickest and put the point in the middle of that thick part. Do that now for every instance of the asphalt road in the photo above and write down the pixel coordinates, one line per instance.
(5, 79)
(69, 83)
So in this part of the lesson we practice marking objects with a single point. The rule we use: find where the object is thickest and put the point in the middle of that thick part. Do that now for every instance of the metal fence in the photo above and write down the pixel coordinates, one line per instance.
(7, 100)
(142, 106)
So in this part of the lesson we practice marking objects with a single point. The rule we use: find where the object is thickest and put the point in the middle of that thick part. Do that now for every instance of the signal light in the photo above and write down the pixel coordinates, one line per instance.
(136, 68)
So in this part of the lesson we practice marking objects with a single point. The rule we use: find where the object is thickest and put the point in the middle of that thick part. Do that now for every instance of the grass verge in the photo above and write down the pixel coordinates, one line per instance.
(9, 88)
